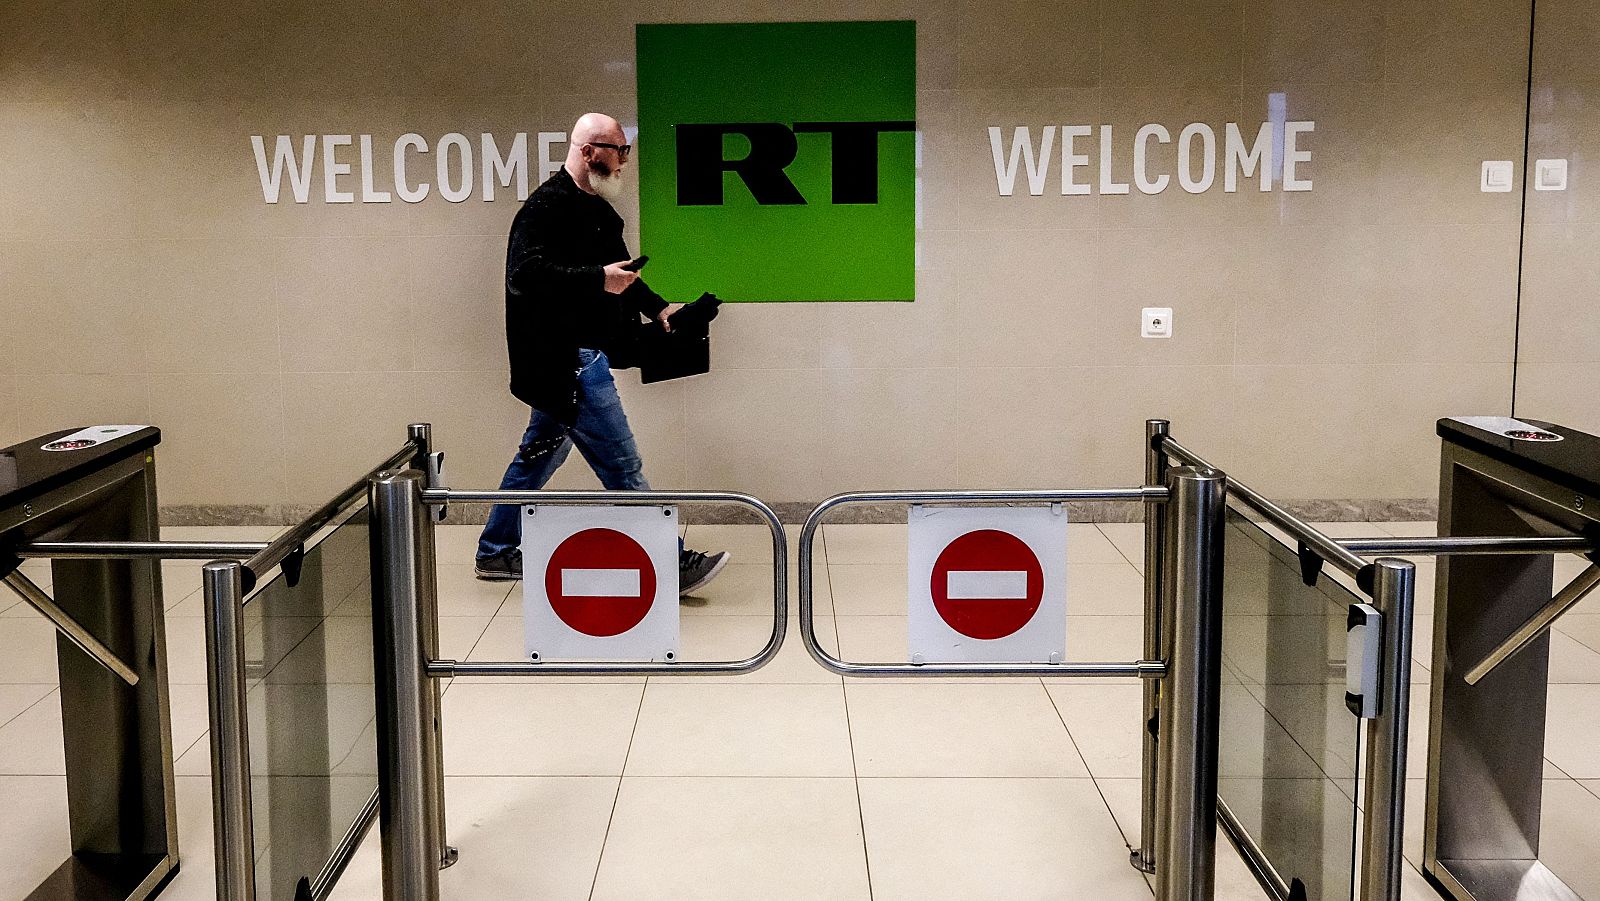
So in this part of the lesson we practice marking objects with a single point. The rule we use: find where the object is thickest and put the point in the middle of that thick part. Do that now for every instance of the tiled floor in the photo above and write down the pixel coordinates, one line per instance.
(787, 783)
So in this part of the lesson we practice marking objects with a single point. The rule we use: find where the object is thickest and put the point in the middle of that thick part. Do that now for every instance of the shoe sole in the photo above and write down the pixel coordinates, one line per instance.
(491, 575)
(706, 579)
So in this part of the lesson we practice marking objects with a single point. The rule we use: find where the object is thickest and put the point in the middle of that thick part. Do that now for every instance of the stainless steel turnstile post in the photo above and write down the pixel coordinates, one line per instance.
(1191, 634)
(116, 729)
(1155, 473)
(1491, 651)
(407, 704)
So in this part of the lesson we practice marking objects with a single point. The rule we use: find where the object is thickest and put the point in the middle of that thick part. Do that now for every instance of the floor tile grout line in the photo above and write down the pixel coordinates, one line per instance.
(54, 687)
(813, 776)
(1586, 645)
(616, 798)
(484, 631)
(322, 623)
(849, 730)
(723, 777)
(855, 769)
(838, 638)
(1318, 760)
(510, 590)
(204, 737)
(1564, 774)
(1118, 548)
(1085, 761)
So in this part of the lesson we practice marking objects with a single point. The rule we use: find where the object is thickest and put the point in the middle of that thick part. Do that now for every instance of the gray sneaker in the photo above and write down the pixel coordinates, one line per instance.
(696, 570)
(506, 567)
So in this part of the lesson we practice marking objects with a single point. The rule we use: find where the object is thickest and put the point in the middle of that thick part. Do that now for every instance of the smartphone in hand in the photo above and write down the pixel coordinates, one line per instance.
(636, 264)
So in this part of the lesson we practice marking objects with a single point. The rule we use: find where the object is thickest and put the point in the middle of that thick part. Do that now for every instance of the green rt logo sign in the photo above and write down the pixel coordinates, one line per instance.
(777, 162)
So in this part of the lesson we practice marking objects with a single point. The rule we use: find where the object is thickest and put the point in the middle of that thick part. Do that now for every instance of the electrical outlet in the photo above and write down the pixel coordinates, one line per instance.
(1156, 322)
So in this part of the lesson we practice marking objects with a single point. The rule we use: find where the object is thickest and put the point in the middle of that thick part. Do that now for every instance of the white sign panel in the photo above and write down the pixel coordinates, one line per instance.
(987, 584)
(600, 583)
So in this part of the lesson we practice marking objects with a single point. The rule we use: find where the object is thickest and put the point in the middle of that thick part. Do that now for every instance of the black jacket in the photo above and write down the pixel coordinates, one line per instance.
(556, 300)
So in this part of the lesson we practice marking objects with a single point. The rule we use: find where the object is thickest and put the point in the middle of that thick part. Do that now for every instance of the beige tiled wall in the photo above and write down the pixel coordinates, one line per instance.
(282, 348)
(1559, 344)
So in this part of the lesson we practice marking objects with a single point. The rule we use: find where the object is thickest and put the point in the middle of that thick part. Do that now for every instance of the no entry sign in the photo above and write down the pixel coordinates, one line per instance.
(600, 583)
(987, 584)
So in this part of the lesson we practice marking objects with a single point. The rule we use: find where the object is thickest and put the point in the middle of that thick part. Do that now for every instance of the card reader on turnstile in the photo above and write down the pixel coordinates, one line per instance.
(1491, 650)
(98, 484)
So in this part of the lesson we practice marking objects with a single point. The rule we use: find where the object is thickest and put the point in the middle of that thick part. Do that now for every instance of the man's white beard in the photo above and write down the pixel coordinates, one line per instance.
(609, 187)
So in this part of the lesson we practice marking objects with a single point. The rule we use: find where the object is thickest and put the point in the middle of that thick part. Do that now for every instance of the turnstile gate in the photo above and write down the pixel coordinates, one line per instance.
(1491, 650)
(98, 484)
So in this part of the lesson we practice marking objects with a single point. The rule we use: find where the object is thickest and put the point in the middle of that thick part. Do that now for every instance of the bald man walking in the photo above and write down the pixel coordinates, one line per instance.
(570, 297)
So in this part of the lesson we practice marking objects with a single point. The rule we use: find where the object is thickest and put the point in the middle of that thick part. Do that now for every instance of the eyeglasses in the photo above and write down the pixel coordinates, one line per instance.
(622, 149)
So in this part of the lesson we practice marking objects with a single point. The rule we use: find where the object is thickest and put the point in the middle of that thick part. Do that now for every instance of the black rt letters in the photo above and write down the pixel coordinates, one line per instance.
(772, 148)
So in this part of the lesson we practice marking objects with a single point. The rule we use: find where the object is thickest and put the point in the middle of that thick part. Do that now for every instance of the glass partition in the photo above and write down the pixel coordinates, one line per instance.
(1288, 751)
(313, 744)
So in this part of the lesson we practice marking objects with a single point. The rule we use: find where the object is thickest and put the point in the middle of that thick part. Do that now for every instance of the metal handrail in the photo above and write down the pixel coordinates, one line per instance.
(41, 601)
(1537, 624)
(139, 550)
(1325, 547)
(345, 851)
(1456, 545)
(1146, 669)
(1470, 544)
(1255, 859)
(354, 495)
(1150, 493)
(442, 669)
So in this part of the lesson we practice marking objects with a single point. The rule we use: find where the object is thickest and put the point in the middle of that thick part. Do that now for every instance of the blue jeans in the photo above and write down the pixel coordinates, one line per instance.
(601, 434)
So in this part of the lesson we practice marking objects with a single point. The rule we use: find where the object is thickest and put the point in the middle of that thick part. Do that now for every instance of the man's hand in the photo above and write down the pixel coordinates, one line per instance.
(664, 315)
(618, 279)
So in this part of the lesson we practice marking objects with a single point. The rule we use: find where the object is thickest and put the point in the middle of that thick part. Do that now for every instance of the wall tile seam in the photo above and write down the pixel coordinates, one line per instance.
(1383, 223)
(350, 372)
(46, 371)
(1084, 367)
(1388, 223)
(1428, 362)
(794, 512)
(141, 236)
(1364, 364)
(832, 369)
(292, 371)
(172, 373)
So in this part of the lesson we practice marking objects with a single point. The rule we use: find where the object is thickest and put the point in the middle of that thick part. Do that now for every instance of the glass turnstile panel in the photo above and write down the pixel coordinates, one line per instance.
(313, 744)
(1288, 743)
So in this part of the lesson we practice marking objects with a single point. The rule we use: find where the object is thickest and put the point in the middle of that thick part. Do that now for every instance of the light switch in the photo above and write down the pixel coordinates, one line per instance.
(1550, 175)
(1497, 176)
(1156, 322)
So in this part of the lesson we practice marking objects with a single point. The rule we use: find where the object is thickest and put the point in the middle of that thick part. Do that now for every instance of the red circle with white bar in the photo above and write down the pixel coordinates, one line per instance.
(600, 582)
(987, 584)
